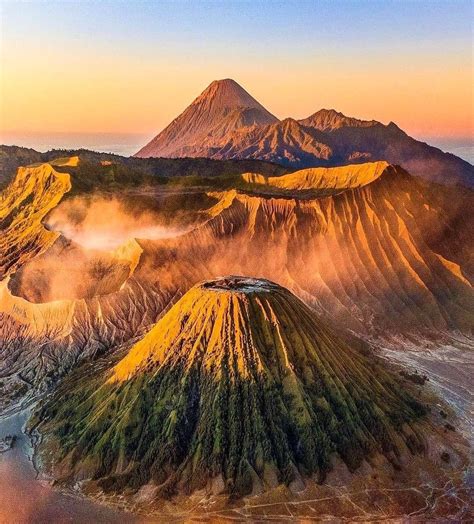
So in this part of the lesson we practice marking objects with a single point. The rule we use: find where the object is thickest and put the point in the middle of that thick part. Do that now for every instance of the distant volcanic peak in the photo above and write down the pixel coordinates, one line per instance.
(225, 122)
(228, 94)
(223, 107)
(330, 119)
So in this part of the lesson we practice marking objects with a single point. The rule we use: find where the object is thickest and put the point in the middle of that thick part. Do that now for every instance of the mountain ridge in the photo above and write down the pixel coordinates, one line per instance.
(325, 138)
(330, 119)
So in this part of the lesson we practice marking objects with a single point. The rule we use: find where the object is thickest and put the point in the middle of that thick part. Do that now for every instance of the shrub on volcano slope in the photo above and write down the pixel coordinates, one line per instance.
(238, 381)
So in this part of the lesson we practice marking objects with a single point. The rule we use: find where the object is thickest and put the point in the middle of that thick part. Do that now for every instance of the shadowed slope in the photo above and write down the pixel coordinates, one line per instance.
(237, 388)
(287, 143)
(11, 157)
(361, 143)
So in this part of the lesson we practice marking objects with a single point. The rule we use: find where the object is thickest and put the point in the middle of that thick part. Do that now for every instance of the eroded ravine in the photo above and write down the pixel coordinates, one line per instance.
(387, 260)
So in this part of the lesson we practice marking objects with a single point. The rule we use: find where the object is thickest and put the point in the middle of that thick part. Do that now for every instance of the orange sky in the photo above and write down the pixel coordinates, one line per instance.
(64, 80)
(126, 98)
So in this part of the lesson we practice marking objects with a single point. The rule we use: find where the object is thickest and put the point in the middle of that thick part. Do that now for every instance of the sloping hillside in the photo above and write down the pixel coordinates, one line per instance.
(237, 388)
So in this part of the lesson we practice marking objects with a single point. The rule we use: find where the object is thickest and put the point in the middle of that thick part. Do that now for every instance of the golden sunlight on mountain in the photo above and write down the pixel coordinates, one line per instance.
(236, 261)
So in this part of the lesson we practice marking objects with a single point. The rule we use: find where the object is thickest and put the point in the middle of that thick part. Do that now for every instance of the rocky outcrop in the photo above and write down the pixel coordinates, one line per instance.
(329, 120)
(34, 192)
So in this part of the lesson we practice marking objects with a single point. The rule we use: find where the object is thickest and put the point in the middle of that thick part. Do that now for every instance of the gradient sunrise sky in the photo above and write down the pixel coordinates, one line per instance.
(132, 66)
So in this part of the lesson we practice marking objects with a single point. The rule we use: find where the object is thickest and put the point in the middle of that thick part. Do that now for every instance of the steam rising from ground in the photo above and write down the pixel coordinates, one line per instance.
(104, 223)
(96, 225)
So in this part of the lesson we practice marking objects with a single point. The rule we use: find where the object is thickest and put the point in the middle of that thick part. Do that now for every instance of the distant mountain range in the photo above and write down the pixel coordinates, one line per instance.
(226, 122)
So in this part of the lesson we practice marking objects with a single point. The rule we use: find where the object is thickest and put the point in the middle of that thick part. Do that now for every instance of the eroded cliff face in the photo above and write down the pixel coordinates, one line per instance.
(386, 256)
(23, 204)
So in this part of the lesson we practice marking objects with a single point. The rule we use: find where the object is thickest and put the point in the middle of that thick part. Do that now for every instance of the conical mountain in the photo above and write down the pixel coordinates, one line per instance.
(222, 107)
(239, 387)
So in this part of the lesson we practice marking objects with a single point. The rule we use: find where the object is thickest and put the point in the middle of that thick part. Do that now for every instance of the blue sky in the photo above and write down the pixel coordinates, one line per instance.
(290, 25)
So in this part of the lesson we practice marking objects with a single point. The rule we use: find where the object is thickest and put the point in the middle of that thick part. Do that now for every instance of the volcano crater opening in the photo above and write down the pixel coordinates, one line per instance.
(239, 284)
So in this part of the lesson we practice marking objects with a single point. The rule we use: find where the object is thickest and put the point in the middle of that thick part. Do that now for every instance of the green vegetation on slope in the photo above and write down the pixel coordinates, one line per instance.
(11, 158)
(239, 384)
